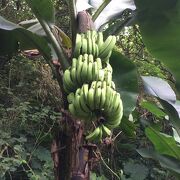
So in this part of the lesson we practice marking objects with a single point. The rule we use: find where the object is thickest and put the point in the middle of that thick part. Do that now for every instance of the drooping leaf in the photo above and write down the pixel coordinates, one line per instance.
(172, 113)
(163, 143)
(43, 10)
(37, 29)
(154, 109)
(159, 25)
(125, 78)
(159, 88)
(27, 23)
(112, 10)
(167, 162)
(21, 37)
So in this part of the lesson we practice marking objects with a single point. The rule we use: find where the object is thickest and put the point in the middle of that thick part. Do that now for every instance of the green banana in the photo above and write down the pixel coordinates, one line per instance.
(88, 83)
(101, 75)
(100, 40)
(68, 83)
(99, 63)
(74, 63)
(90, 98)
(90, 58)
(99, 138)
(79, 111)
(84, 46)
(97, 97)
(77, 45)
(74, 75)
(103, 98)
(95, 71)
(70, 98)
(106, 130)
(79, 68)
(72, 109)
(107, 47)
(89, 43)
(94, 135)
(84, 71)
(85, 89)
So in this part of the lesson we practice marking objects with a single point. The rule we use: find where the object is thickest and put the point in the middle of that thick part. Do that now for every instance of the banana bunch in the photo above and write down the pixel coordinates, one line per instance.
(99, 100)
(92, 94)
(86, 69)
(92, 43)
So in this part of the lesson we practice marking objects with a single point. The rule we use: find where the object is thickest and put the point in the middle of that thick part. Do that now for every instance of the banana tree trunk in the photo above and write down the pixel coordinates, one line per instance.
(71, 158)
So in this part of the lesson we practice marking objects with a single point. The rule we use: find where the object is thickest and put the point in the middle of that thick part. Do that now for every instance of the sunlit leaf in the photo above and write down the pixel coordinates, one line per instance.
(153, 109)
(158, 87)
(112, 10)
(163, 143)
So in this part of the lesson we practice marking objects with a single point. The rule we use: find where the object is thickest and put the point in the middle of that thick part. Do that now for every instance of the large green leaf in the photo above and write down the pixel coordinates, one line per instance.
(15, 34)
(167, 162)
(43, 9)
(125, 78)
(128, 127)
(160, 28)
(163, 143)
(154, 109)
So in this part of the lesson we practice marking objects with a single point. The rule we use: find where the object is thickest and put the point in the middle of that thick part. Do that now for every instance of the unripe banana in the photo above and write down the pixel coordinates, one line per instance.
(74, 75)
(90, 58)
(79, 68)
(79, 110)
(107, 47)
(67, 81)
(103, 98)
(100, 40)
(106, 130)
(97, 98)
(70, 98)
(74, 63)
(72, 110)
(84, 46)
(101, 75)
(94, 135)
(84, 71)
(77, 45)
(99, 63)
(85, 89)
(90, 98)
(89, 72)
(88, 82)
(95, 71)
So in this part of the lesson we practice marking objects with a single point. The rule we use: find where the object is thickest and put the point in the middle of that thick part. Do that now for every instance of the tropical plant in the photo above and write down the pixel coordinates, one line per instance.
(94, 98)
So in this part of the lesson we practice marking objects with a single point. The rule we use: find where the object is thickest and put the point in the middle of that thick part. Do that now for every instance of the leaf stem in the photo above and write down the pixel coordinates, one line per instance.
(57, 47)
(73, 16)
(100, 9)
